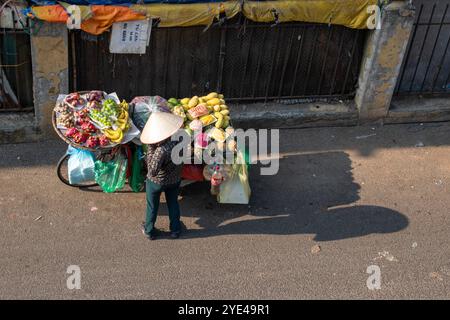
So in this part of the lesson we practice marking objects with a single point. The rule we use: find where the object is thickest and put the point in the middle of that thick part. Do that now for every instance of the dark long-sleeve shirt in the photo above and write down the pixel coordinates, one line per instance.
(161, 169)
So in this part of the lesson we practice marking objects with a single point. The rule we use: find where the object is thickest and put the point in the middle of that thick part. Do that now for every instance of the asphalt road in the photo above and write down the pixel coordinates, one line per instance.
(367, 196)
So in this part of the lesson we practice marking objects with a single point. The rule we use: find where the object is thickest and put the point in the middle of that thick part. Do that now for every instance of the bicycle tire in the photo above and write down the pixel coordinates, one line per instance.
(64, 180)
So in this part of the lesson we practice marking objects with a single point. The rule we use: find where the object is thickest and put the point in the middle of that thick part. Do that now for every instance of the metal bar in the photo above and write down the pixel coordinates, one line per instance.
(74, 62)
(286, 60)
(440, 65)
(26, 109)
(289, 25)
(177, 63)
(434, 47)
(308, 74)
(233, 67)
(193, 61)
(208, 54)
(166, 61)
(258, 66)
(433, 24)
(338, 96)
(244, 74)
(423, 94)
(299, 54)
(16, 61)
(222, 53)
(413, 38)
(421, 49)
(330, 32)
(344, 87)
(275, 55)
(341, 45)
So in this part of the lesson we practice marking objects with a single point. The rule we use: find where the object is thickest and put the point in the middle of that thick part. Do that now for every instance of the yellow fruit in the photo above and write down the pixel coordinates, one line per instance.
(226, 123)
(221, 101)
(227, 118)
(184, 101)
(188, 115)
(220, 96)
(113, 134)
(216, 108)
(212, 95)
(213, 102)
(207, 120)
(218, 134)
(225, 112)
(193, 102)
(124, 115)
(220, 120)
(223, 107)
(119, 139)
(210, 108)
(186, 107)
(124, 105)
(122, 126)
(201, 100)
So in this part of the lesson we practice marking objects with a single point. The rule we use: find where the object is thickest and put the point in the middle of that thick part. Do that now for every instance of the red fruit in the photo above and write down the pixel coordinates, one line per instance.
(71, 132)
(80, 137)
(104, 141)
(92, 142)
(88, 127)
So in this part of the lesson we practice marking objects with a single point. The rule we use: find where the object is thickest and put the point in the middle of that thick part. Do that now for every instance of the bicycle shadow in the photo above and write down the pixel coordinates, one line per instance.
(311, 194)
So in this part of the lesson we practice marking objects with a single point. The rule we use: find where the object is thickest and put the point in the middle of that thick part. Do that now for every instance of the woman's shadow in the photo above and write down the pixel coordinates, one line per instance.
(311, 194)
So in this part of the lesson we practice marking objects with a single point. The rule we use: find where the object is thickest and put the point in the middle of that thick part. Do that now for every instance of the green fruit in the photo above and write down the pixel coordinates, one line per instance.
(173, 101)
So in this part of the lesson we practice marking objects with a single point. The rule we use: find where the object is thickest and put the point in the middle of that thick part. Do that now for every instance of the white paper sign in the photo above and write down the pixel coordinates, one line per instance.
(130, 36)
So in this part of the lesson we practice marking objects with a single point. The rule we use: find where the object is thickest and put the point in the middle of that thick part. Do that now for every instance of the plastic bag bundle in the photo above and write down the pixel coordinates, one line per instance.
(236, 189)
(137, 178)
(143, 108)
(80, 165)
(112, 175)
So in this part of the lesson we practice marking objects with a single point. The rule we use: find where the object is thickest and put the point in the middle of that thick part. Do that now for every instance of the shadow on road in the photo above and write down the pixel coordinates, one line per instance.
(311, 194)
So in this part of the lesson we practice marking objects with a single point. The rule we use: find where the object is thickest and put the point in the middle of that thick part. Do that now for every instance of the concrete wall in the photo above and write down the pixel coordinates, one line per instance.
(50, 72)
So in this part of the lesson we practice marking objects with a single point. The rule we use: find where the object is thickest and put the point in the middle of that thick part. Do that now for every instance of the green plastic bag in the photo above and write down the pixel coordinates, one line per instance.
(111, 175)
(137, 179)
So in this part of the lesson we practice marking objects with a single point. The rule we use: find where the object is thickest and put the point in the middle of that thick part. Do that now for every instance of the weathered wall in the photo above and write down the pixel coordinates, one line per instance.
(384, 54)
(50, 72)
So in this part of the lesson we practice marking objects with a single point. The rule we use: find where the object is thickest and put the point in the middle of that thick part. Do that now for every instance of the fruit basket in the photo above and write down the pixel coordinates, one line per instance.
(93, 120)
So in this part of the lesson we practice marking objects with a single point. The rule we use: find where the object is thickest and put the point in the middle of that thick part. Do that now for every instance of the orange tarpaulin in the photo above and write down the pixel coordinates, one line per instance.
(54, 13)
(99, 19)
(104, 16)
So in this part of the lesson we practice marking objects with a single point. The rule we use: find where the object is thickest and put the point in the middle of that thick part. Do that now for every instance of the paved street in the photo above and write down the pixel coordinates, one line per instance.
(365, 195)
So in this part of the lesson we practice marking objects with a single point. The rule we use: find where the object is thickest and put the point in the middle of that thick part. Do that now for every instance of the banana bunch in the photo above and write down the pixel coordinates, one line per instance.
(116, 133)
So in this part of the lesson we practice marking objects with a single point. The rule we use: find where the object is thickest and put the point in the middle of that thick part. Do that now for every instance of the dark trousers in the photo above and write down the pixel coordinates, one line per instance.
(153, 194)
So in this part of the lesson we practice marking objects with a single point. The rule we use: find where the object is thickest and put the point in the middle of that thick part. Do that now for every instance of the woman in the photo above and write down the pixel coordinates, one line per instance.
(163, 175)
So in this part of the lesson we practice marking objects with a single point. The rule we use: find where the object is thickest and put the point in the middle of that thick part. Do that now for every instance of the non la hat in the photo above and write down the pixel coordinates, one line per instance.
(160, 126)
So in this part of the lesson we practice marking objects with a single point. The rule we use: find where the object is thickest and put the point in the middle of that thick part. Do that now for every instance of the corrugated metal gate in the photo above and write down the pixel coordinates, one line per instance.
(426, 69)
(245, 61)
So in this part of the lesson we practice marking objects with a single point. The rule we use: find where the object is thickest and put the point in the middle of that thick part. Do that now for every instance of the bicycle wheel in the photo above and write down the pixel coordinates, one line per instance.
(62, 172)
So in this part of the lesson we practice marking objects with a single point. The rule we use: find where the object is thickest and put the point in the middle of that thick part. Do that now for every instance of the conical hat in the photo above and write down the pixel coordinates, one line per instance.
(160, 126)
